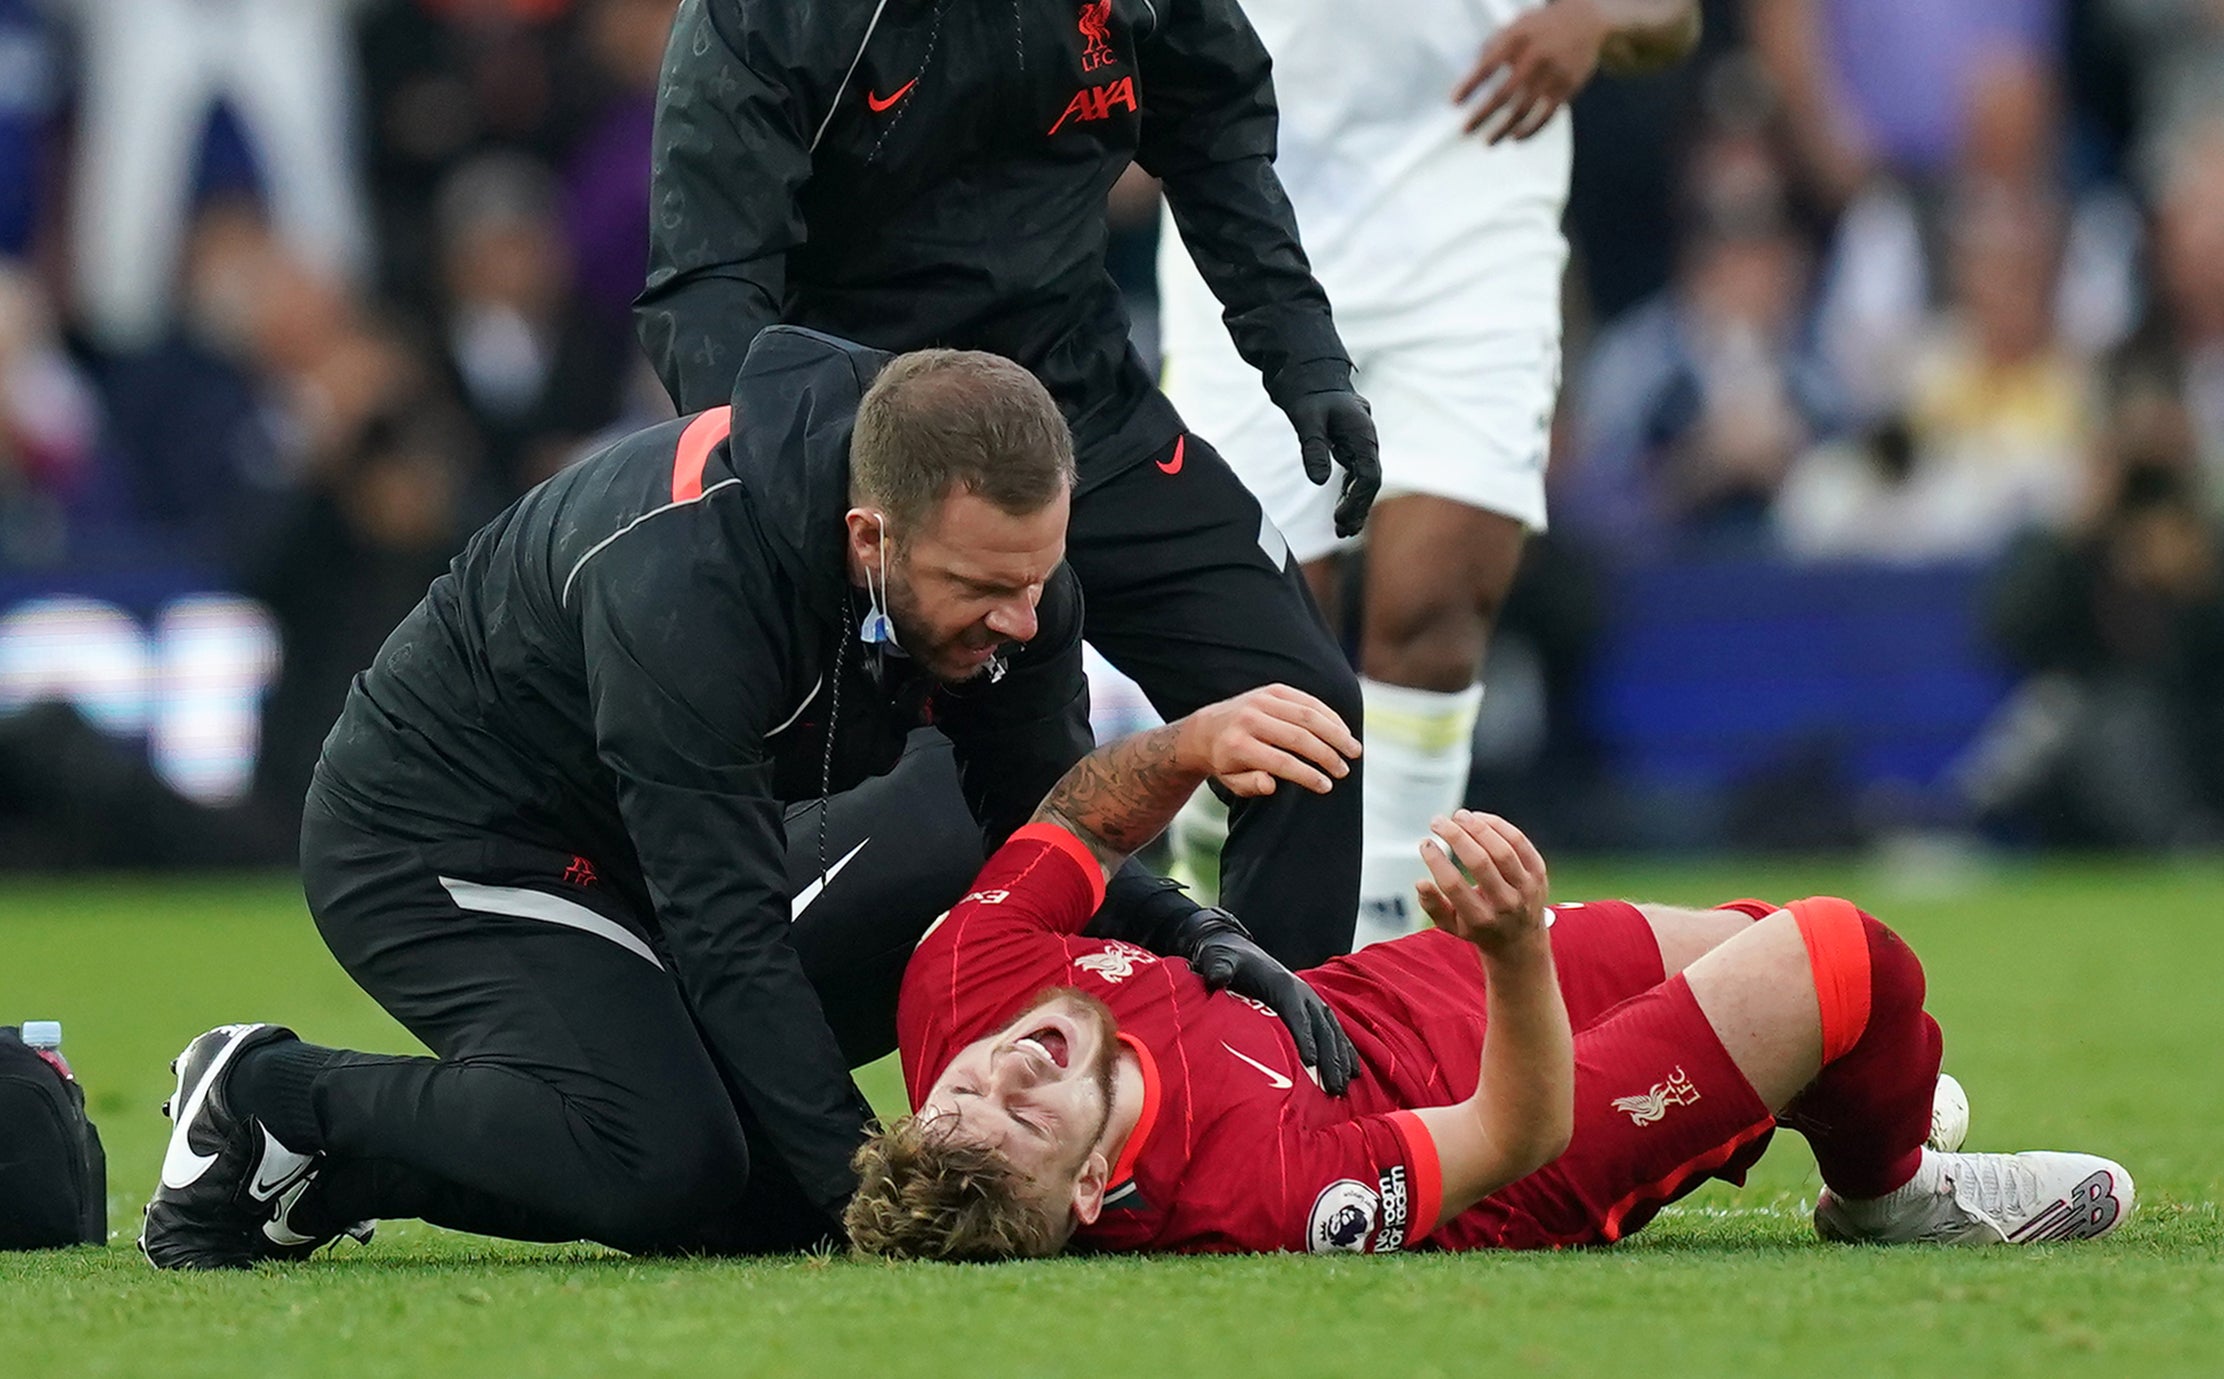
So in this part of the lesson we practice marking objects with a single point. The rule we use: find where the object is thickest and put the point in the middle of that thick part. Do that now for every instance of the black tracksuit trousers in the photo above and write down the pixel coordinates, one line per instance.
(1190, 590)
(571, 1096)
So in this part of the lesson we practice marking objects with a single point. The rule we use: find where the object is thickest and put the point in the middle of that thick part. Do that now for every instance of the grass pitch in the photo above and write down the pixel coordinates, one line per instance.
(2080, 1010)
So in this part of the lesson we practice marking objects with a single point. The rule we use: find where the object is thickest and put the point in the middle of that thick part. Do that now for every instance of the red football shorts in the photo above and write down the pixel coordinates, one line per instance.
(1659, 1107)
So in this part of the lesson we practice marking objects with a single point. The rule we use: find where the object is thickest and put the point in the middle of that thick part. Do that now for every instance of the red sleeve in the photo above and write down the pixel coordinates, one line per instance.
(1372, 1185)
(997, 949)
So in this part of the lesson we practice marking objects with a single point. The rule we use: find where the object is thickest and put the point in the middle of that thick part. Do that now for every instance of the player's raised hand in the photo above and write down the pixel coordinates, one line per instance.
(1504, 903)
(1269, 734)
(1539, 62)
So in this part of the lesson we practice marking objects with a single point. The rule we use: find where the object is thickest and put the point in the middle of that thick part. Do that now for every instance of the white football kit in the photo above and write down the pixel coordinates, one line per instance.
(1441, 254)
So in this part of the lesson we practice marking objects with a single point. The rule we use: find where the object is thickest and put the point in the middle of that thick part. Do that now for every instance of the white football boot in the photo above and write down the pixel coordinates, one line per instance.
(1987, 1199)
(1949, 1114)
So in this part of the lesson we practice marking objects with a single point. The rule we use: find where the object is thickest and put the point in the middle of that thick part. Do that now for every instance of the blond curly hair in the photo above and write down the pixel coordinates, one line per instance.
(924, 1194)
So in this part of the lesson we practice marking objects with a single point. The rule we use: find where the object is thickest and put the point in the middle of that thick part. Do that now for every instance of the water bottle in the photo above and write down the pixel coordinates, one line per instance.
(44, 1038)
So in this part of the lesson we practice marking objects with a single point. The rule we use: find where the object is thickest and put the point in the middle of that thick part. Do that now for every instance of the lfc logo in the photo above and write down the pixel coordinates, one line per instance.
(1095, 25)
(1116, 963)
(1644, 1110)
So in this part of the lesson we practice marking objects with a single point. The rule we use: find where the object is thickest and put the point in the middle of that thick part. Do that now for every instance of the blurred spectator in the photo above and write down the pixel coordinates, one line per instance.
(154, 71)
(1890, 256)
(1995, 429)
(206, 445)
(1629, 133)
(2176, 50)
(1882, 87)
(2185, 341)
(349, 557)
(2115, 738)
(447, 80)
(31, 84)
(607, 176)
(371, 516)
(536, 374)
(273, 372)
(1691, 407)
(49, 427)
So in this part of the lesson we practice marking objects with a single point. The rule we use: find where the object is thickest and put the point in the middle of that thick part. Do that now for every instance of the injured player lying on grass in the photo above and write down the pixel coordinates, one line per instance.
(1530, 1077)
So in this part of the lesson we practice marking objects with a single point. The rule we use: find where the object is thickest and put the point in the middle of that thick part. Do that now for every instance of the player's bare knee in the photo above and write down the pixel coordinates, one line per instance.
(1799, 990)
(1433, 640)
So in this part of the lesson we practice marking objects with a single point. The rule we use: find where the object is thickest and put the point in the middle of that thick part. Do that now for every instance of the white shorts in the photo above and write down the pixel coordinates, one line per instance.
(1463, 391)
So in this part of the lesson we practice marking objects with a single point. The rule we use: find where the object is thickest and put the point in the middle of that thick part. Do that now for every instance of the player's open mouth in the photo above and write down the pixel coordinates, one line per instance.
(1049, 1042)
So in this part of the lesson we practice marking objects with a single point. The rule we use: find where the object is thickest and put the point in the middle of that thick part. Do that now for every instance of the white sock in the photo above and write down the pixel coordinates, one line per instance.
(1419, 746)
(1873, 1211)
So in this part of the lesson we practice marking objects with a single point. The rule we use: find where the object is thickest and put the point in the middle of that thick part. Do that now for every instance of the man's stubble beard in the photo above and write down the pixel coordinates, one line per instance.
(903, 611)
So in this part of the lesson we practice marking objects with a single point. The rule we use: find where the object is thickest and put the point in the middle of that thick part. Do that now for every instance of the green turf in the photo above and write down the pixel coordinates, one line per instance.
(2079, 1008)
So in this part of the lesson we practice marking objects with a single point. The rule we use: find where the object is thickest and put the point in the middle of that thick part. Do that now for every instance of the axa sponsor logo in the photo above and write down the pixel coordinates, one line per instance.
(1116, 962)
(1652, 1105)
(1095, 23)
(1092, 103)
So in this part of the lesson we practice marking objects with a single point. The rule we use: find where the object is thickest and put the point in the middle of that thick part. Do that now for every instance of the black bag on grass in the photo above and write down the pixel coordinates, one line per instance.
(53, 1171)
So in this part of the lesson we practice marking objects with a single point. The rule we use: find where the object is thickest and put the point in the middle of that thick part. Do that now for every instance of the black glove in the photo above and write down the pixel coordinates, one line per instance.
(1337, 423)
(1221, 952)
(1150, 910)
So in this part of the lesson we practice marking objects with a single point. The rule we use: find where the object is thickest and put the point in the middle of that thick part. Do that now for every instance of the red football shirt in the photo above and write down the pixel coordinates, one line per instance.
(1237, 1148)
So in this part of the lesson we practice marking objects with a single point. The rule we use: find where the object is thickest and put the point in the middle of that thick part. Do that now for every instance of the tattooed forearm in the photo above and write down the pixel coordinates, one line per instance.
(1121, 796)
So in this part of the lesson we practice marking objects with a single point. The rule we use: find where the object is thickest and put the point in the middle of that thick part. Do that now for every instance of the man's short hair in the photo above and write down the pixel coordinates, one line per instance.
(937, 422)
(927, 1194)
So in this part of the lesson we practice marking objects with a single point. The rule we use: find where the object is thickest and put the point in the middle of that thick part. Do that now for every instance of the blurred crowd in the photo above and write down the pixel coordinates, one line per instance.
(299, 292)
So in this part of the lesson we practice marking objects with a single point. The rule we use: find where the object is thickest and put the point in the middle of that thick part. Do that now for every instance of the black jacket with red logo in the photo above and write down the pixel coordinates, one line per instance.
(641, 660)
(933, 172)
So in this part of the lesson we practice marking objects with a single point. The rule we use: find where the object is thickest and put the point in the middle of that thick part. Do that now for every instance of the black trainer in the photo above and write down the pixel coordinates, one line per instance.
(228, 1185)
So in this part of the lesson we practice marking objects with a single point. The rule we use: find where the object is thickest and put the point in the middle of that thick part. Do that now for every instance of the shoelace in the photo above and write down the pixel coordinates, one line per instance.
(1999, 1188)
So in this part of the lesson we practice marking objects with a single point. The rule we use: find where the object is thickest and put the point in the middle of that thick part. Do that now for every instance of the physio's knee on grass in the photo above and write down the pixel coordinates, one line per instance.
(675, 1184)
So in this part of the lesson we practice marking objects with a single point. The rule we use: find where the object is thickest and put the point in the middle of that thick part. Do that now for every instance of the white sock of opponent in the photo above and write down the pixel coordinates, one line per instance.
(1419, 746)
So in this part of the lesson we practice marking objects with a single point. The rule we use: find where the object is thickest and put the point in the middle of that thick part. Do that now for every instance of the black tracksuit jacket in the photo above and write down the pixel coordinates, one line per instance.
(609, 672)
(943, 184)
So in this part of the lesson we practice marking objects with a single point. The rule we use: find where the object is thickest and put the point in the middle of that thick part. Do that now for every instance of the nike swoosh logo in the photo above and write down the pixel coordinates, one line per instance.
(804, 897)
(279, 1228)
(1174, 466)
(879, 103)
(280, 1167)
(181, 1167)
(1281, 1081)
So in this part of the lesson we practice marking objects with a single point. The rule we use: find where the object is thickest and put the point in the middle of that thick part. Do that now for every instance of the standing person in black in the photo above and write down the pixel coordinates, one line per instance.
(547, 832)
(933, 172)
